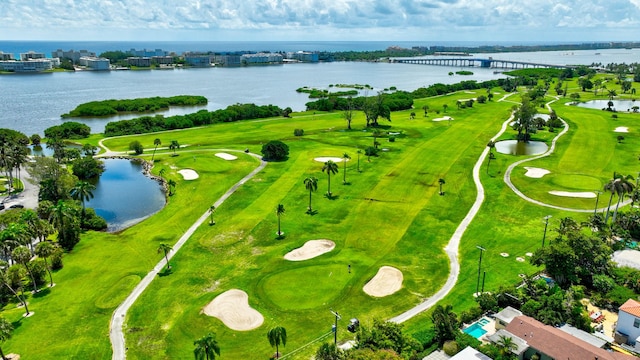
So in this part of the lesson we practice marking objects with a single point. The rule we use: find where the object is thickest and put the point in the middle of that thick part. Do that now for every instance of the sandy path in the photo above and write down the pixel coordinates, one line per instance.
(387, 281)
(310, 249)
(232, 308)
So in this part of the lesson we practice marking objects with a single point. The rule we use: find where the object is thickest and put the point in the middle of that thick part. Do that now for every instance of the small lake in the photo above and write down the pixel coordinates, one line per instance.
(124, 196)
(513, 147)
(43, 150)
(618, 105)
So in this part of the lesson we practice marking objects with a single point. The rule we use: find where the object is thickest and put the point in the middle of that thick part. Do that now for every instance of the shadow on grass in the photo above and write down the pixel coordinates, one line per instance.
(42, 293)
(332, 196)
(346, 183)
(165, 272)
(312, 212)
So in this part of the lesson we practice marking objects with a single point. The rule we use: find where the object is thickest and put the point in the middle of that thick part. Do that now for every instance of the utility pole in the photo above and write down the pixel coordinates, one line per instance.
(546, 223)
(479, 268)
(335, 327)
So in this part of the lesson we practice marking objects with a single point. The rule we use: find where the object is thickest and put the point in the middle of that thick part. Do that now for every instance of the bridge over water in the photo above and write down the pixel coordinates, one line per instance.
(483, 63)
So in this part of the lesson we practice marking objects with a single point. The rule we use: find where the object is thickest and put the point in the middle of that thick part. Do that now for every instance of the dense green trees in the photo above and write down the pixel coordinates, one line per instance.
(146, 124)
(141, 105)
(445, 323)
(68, 130)
(5, 334)
(13, 153)
(524, 120)
(87, 167)
(275, 150)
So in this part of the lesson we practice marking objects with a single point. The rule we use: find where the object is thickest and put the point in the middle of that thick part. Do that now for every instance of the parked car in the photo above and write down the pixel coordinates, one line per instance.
(1, 206)
(16, 206)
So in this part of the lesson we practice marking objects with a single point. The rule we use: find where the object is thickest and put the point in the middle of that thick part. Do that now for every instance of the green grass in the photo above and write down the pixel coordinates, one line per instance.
(390, 213)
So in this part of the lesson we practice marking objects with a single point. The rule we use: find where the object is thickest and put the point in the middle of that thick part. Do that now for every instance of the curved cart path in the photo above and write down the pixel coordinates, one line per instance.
(116, 334)
(452, 246)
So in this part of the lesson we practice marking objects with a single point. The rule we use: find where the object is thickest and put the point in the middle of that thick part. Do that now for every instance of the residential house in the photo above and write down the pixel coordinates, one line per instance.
(628, 326)
(504, 317)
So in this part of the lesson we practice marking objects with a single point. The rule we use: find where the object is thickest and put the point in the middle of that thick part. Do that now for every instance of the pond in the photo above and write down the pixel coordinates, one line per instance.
(43, 150)
(618, 105)
(124, 196)
(513, 147)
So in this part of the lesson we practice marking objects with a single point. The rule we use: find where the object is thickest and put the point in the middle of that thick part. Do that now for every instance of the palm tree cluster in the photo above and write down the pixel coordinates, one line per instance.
(619, 185)
(13, 154)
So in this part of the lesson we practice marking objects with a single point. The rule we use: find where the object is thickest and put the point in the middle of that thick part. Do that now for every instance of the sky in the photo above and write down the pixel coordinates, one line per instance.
(322, 20)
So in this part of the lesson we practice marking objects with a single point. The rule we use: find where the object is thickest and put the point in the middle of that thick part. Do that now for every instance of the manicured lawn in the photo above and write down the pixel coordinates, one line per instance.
(389, 213)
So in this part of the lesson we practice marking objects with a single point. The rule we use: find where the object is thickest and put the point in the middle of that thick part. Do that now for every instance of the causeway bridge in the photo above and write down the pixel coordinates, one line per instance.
(471, 62)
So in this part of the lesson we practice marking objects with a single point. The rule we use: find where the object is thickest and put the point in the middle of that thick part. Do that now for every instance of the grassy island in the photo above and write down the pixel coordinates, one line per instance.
(142, 105)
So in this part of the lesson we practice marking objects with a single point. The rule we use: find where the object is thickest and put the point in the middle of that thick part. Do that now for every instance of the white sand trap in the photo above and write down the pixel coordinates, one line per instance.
(232, 308)
(520, 259)
(628, 258)
(324, 159)
(226, 156)
(469, 92)
(585, 194)
(387, 281)
(504, 254)
(536, 173)
(188, 174)
(622, 129)
(310, 249)
(446, 118)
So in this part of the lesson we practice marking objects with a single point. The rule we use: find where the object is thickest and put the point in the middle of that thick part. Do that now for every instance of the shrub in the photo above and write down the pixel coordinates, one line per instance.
(39, 271)
(56, 259)
(450, 348)
(371, 151)
(603, 283)
(87, 168)
(137, 147)
(482, 99)
(470, 315)
(92, 221)
(487, 302)
(392, 139)
(275, 150)
(298, 132)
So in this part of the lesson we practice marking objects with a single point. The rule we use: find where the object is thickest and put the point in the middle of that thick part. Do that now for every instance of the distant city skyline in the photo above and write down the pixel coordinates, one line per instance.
(486, 21)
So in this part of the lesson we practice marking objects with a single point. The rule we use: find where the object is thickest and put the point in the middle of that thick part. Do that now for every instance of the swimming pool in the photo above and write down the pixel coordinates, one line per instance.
(475, 330)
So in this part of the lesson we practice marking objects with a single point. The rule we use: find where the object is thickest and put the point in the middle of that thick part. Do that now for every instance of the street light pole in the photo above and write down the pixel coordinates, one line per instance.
(335, 328)
(479, 267)
(546, 223)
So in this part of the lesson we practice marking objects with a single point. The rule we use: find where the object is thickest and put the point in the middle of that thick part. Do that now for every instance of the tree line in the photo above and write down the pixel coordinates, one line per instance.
(141, 105)
(156, 123)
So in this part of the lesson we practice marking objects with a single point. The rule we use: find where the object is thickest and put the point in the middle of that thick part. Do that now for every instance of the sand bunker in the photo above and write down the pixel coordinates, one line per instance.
(387, 281)
(504, 254)
(628, 258)
(520, 259)
(585, 195)
(536, 173)
(232, 308)
(226, 156)
(327, 158)
(188, 174)
(310, 249)
(446, 118)
(622, 129)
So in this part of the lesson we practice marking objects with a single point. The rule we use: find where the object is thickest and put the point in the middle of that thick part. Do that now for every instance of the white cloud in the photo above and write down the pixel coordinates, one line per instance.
(328, 19)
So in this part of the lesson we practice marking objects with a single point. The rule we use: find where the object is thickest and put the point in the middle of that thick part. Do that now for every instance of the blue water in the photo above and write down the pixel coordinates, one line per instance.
(475, 330)
(483, 321)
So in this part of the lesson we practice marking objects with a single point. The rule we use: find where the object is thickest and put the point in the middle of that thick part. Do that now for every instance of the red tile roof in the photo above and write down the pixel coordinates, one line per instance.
(558, 344)
(631, 307)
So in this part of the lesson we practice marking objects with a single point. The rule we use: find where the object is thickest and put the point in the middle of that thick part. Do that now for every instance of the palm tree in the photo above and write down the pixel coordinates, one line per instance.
(445, 323)
(165, 248)
(279, 212)
(45, 249)
(425, 108)
(441, 182)
(82, 191)
(276, 336)
(212, 209)
(22, 255)
(206, 347)
(162, 171)
(59, 216)
(172, 185)
(345, 157)
(174, 146)
(331, 168)
(444, 107)
(627, 188)
(5, 334)
(376, 133)
(506, 345)
(156, 143)
(7, 280)
(311, 184)
(618, 185)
